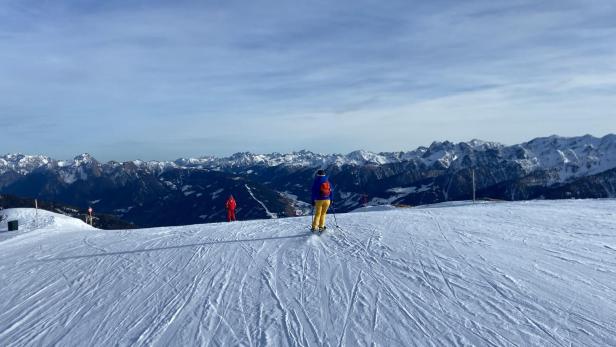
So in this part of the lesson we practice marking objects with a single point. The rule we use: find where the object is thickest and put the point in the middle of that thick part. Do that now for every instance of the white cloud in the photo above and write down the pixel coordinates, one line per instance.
(325, 76)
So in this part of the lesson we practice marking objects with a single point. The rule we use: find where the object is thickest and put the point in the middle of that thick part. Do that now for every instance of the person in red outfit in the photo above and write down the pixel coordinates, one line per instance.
(230, 206)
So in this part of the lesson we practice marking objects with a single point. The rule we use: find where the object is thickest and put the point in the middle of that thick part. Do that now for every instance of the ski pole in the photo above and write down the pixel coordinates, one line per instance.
(335, 219)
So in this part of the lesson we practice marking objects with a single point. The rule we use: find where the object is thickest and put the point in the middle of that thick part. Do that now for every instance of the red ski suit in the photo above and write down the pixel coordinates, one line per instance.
(230, 206)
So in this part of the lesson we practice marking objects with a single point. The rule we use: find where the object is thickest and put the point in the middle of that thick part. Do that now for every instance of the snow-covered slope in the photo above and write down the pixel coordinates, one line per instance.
(30, 219)
(508, 274)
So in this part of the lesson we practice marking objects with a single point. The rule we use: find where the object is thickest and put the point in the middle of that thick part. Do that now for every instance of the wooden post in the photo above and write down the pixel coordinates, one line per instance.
(473, 171)
(35, 213)
(90, 210)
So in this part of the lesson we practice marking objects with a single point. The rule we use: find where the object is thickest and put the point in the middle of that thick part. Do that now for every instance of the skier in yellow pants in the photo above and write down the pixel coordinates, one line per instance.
(320, 210)
(322, 194)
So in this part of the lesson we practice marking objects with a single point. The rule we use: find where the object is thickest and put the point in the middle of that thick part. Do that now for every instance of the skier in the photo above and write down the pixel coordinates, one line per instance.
(230, 206)
(322, 194)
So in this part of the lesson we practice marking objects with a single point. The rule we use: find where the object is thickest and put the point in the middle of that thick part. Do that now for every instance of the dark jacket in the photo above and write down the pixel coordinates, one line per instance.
(316, 189)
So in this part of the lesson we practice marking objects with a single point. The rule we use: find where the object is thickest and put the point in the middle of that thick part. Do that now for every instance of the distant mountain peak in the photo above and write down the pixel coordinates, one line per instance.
(84, 159)
(573, 156)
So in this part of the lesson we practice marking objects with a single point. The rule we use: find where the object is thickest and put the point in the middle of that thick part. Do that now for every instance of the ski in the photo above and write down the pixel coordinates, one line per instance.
(318, 231)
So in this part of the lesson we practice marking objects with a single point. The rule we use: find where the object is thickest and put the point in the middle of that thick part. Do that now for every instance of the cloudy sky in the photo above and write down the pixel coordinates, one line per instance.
(125, 79)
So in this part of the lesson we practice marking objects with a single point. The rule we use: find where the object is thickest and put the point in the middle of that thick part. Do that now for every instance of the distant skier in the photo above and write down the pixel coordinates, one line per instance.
(230, 206)
(322, 194)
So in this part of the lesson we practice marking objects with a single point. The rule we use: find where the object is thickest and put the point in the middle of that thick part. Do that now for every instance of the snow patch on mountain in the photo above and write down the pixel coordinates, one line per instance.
(267, 211)
(68, 177)
(403, 191)
(83, 159)
(398, 193)
(301, 208)
(347, 199)
(124, 210)
(216, 193)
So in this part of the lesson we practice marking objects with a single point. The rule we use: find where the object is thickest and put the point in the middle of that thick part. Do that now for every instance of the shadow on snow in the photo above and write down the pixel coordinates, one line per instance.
(176, 247)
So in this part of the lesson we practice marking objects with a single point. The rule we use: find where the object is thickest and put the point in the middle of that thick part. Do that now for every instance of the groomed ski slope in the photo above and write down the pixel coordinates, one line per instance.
(504, 274)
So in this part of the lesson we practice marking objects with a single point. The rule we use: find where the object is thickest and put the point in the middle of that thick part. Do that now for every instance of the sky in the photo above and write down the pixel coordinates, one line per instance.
(159, 80)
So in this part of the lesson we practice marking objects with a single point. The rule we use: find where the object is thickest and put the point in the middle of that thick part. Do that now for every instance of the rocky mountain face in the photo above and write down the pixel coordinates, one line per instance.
(193, 190)
(146, 195)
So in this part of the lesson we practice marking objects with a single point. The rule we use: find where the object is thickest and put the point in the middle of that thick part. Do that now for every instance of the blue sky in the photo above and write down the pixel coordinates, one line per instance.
(165, 79)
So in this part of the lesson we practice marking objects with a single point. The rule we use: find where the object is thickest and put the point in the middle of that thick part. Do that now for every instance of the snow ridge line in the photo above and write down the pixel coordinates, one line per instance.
(270, 214)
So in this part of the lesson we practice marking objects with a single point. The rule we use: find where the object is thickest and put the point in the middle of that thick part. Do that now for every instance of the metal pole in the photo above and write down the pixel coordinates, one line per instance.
(334, 210)
(335, 219)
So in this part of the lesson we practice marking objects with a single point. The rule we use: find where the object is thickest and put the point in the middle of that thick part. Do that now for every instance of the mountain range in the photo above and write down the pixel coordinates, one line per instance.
(193, 190)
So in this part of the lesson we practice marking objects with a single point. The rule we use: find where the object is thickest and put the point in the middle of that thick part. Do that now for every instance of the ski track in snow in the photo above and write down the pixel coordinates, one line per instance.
(537, 273)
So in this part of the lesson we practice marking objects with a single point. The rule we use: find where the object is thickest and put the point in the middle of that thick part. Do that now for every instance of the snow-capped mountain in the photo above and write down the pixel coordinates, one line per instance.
(193, 188)
(571, 157)
(438, 152)
(22, 164)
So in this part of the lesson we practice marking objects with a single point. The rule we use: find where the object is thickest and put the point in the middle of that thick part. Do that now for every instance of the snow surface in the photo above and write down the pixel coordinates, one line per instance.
(30, 219)
(507, 274)
(374, 208)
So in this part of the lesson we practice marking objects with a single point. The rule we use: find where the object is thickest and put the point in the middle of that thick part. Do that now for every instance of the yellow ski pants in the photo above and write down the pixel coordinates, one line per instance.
(320, 210)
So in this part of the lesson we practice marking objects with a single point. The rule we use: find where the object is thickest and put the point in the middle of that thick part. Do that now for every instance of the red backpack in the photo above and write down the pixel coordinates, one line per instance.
(325, 189)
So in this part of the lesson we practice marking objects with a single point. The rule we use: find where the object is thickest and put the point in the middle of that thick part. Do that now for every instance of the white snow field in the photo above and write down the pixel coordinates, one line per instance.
(539, 273)
(30, 219)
